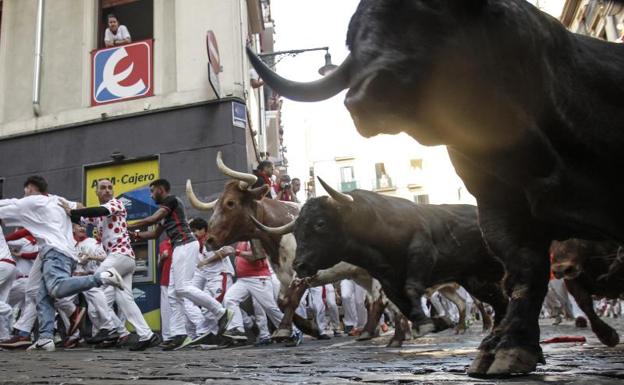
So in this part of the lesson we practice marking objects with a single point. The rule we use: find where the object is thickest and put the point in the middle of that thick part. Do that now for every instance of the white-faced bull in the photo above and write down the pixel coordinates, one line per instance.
(532, 117)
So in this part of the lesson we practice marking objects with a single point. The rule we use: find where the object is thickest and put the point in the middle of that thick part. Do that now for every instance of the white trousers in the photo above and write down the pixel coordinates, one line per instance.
(7, 276)
(183, 266)
(165, 313)
(125, 265)
(261, 291)
(17, 295)
(315, 298)
(332, 307)
(353, 297)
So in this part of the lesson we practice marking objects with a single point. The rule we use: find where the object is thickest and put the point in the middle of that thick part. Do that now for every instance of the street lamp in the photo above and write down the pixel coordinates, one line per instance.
(324, 70)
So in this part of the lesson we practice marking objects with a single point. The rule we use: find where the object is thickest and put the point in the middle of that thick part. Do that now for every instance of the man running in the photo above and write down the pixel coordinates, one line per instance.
(41, 214)
(110, 220)
(171, 218)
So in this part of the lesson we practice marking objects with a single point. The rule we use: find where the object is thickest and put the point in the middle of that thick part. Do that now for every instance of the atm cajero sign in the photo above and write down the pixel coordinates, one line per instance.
(125, 177)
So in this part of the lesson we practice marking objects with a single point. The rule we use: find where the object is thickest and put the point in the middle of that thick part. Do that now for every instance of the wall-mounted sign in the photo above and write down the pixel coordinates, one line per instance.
(239, 114)
(214, 62)
(122, 73)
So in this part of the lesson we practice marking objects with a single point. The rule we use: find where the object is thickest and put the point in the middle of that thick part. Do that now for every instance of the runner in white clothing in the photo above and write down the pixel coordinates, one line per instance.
(110, 221)
(7, 275)
(42, 215)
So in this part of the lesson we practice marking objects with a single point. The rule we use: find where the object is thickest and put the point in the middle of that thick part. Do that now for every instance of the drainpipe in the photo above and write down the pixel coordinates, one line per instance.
(37, 67)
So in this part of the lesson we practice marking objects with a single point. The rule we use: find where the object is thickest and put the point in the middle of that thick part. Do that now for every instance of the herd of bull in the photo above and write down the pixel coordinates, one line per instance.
(532, 118)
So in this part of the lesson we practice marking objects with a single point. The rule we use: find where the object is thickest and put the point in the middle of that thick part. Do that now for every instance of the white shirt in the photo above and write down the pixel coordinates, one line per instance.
(5, 253)
(19, 247)
(122, 34)
(44, 218)
(222, 266)
(89, 247)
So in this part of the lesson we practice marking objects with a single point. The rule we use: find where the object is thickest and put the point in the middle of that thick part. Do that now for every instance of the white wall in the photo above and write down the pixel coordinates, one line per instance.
(70, 33)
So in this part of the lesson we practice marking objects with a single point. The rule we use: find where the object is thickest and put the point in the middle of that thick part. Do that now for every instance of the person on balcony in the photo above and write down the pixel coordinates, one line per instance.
(116, 34)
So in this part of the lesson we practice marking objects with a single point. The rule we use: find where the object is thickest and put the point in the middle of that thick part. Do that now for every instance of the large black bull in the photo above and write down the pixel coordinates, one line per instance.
(531, 114)
(409, 248)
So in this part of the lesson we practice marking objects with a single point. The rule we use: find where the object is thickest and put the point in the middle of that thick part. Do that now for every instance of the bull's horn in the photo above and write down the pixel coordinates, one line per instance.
(247, 180)
(314, 91)
(287, 228)
(336, 195)
(195, 202)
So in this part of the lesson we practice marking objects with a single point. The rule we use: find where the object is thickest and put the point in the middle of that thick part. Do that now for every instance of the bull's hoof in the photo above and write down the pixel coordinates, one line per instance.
(365, 336)
(480, 365)
(281, 335)
(394, 343)
(422, 329)
(513, 361)
(580, 322)
(608, 336)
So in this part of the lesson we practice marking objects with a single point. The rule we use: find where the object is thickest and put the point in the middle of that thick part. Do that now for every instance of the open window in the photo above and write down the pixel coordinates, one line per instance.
(136, 15)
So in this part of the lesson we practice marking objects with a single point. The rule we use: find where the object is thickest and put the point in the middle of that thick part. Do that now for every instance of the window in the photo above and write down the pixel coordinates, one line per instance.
(382, 180)
(416, 165)
(422, 199)
(347, 179)
(346, 174)
(136, 15)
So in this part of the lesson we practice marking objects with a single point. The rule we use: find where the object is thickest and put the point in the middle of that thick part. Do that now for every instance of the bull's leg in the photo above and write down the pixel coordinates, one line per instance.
(288, 303)
(421, 259)
(401, 329)
(450, 293)
(375, 311)
(605, 333)
(521, 243)
(485, 317)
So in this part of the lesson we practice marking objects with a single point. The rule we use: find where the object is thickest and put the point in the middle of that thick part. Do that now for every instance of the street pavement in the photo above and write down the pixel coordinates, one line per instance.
(440, 358)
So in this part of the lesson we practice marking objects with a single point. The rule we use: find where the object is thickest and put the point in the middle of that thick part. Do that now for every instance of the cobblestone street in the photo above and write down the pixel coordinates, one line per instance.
(440, 358)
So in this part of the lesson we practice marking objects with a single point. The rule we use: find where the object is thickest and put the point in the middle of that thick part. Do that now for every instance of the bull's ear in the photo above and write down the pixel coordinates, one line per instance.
(259, 192)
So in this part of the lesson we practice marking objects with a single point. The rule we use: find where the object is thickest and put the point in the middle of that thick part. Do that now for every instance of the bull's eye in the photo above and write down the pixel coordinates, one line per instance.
(319, 225)
(230, 204)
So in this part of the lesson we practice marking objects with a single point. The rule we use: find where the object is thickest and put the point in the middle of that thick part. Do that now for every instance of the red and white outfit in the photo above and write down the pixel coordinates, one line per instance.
(25, 251)
(113, 232)
(165, 307)
(7, 275)
(253, 279)
(99, 311)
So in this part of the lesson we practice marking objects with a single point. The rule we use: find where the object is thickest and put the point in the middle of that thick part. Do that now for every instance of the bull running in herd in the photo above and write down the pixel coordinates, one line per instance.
(531, 117)
(238, 205)
(411, 249)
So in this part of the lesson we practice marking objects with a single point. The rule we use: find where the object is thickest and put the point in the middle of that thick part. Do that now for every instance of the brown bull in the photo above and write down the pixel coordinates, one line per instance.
(231, 223)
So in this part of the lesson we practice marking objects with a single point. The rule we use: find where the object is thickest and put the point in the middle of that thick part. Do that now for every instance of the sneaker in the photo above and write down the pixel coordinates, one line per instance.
(16, 342)
(46, 344)
(324, 337)
(202, 339)
(111, 277)
(175, 342)
(154, 340)
(347, 329)
(296, 339)
(104, 335)
(224, 321)
(75, 319)
(123, 341)
(187, 341)
(263, 342)
(337, 333)
(235, 334)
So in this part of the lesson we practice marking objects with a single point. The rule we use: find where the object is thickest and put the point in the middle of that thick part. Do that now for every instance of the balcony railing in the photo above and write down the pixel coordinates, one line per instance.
(348, 186)
(383, 184)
